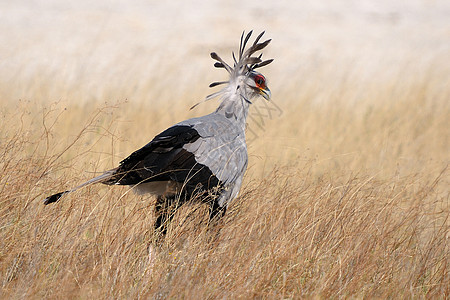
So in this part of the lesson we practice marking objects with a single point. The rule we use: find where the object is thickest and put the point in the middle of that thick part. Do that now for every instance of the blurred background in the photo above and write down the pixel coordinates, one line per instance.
(153, 51)
(336, 62)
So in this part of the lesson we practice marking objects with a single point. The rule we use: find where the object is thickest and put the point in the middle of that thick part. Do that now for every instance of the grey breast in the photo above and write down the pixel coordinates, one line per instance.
(222, 148)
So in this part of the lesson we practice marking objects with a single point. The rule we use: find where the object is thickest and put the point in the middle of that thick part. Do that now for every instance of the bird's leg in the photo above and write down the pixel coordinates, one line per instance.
(164, 212)
(216, 212)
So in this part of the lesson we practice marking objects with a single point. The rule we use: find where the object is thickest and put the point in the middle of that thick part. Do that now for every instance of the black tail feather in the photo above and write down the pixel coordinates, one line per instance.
(54, 198)
(103, 178)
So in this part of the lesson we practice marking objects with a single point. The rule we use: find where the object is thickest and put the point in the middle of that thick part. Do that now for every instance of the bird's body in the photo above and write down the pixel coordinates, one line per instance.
(200, 158)
(187, 160)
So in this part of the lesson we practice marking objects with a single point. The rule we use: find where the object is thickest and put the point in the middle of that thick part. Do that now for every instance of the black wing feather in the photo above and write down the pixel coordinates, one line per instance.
(164, 159)
(173, 137)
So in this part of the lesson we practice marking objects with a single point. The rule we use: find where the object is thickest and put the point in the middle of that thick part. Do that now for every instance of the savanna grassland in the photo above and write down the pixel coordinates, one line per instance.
(346, 194)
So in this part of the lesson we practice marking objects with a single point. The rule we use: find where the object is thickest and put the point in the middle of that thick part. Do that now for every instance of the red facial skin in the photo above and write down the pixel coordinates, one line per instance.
(260, 81)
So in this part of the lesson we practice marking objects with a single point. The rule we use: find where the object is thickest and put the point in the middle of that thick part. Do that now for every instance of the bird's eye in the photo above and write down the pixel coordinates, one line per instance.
(260, 81)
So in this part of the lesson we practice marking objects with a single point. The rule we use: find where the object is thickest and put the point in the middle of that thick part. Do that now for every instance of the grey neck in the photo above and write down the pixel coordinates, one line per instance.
(234, 109)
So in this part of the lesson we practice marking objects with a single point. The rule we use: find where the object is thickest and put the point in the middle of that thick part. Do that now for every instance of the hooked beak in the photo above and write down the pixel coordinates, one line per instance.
(265, 93)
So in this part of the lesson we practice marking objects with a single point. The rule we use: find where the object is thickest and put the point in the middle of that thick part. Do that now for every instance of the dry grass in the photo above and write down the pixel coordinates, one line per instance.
(359, 207)
(346, 195)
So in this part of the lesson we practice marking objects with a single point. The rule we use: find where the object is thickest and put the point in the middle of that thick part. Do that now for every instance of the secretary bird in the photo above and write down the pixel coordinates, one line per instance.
(202, 158)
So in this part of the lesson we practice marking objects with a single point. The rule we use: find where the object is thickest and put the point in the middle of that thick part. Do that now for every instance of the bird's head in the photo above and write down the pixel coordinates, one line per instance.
(257, 85)
(245, 82)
